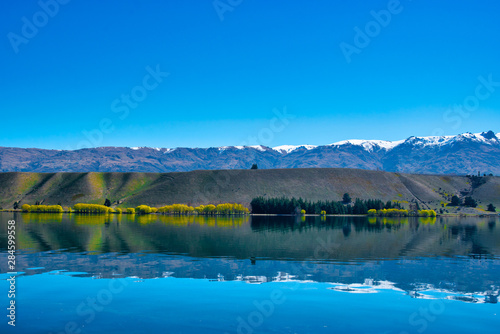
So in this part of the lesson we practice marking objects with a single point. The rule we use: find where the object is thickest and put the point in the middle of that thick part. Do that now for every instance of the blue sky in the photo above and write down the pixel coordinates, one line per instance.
(428, 68)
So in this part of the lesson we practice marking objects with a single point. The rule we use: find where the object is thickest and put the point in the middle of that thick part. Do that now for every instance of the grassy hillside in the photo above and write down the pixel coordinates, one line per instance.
(202, 187)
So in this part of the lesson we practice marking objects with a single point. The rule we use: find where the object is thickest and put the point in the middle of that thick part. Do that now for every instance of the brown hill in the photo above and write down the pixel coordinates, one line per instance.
(218, 186)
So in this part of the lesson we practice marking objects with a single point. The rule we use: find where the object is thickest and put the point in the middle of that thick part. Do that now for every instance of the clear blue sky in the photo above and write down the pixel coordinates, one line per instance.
(227, 76)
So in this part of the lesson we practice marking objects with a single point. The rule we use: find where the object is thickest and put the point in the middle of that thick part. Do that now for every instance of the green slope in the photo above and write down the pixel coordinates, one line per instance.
(202, 187)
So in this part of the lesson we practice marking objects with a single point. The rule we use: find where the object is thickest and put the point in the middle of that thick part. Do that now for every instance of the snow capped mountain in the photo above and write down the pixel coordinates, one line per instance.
(461, 154)
(489, 138)
(484, 137)
(372, 145)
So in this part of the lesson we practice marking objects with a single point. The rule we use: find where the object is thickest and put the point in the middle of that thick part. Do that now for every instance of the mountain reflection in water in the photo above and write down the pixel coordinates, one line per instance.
(356, 254)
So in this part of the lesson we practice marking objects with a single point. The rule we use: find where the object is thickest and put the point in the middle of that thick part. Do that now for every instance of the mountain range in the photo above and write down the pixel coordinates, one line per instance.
(465, 153)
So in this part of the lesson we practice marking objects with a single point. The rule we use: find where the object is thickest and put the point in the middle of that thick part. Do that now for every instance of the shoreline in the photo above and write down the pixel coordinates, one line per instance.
(449, 215)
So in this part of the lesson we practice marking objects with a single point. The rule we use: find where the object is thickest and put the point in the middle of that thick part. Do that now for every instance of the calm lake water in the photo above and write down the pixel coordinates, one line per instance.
(152, 274)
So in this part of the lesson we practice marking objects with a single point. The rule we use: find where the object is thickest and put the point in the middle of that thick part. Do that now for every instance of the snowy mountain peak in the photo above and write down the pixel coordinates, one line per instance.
(483, 137)
(429, 141)
(489, 135)
(369, 145)
(289, 148)
(257, 147)
(375, 145)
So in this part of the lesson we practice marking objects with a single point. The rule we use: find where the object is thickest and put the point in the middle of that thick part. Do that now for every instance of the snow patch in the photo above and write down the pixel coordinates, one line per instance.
(290, 148)
(445, 140)
(431, 140)
(370, 145)
(258, 147)
(150, 148)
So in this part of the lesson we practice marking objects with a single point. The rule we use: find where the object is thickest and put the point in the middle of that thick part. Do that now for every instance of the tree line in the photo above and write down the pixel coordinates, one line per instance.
(284, 205)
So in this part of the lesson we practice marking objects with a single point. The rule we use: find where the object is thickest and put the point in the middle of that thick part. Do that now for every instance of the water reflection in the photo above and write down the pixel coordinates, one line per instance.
(297, 238)
(353, 252)
(258, 237)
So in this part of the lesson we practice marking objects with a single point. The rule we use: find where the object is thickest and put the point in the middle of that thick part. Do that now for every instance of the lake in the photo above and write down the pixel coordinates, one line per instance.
(189, 274)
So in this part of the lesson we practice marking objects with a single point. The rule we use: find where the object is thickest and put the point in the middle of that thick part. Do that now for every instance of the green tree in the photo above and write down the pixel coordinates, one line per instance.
(143, 209)
(359, 207)
(107, 203)
(254, 166)
(491, 208)
(455, 201)
(346, 198)
(470, 202)
(45, 208)
(16, 205)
